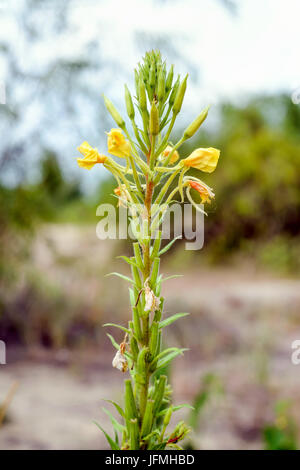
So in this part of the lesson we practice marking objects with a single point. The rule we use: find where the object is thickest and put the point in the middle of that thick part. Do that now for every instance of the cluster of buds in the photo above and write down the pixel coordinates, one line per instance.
(147, 182)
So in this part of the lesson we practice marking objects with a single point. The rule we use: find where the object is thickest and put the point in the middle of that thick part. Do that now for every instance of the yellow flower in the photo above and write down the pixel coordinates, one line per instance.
(117, 144)
(167, 151)
(91, 156)
(203, 159)
(205, 191)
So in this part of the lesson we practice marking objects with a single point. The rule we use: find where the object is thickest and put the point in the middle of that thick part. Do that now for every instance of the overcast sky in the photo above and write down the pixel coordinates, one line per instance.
(229, 56)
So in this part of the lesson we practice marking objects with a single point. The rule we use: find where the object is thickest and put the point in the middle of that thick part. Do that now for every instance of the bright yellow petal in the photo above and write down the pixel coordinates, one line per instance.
(203, 159)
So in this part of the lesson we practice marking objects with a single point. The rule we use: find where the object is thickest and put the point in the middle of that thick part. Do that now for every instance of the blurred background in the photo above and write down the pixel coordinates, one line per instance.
(242, 288)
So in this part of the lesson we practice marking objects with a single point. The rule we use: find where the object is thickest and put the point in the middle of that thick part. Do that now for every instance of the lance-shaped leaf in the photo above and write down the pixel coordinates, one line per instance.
(166, 358)
(112, 443)
(117, 326)
(128, 260)
(168, 246)
(126, 278)
(118, 427)
(118, 408)
(114, 343)
(168, 321)
(175, 408)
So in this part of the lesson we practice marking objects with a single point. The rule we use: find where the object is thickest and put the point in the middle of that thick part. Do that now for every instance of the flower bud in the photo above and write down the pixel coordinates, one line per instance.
(134, 348)
(137, 81)
(152, 75)
(114, 113)
(169, 79)
(148, 418)
(174, 92)
(141, 361)
(153, 338)
(159, 393)
(154, 120)
(194, 126)
(129, 103)
(167, 417)
(179, 96)
(142, 95)
(161, 85)
(130, 405)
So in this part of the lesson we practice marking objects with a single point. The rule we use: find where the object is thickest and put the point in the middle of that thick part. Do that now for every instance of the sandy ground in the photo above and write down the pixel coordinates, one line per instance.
(241, 328)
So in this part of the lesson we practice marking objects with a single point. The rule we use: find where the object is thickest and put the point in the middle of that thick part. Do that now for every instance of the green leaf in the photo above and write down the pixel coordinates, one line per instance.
(175, 408)
(117, 426)
(112, 443)
(126, 278)
(169, 357)
(164, 353)
(118, 408)
(171, 319)
(129, 261)
(117, 326)
(114, 343)
(168, 246)
(172, 277)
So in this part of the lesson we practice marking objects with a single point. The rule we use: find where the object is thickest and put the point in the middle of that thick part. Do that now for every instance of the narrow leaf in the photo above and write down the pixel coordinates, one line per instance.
(117, 426)
(114, 343)
(175, 408)
(118, 408)
(171, 277)
(112, 443)
(168, 246)
(117, 326)
(171, 319)
(126, 278)
(128, 260)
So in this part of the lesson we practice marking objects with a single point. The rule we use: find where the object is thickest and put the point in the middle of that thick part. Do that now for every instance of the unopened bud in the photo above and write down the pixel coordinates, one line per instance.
(167, 417)
(142, 95)
(154, 120)
(169, 79)
(137, 82)
(179, 96)
(152, 75)
(148, 418)
(114, 113)
(194, 126)
(130, 405)
(129, 103)
(174, 91)
(161, 85)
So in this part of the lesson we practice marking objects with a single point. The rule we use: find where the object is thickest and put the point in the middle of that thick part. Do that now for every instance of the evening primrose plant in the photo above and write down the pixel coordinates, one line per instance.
(148, 173)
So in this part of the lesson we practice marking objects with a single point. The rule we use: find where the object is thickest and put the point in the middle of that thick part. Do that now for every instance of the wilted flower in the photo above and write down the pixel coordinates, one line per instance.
(91, 156)
(203, 159)
(117, 144)
(122, 194)
(166, 153)
(205, 191)
(152, 302)
(120, 361)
